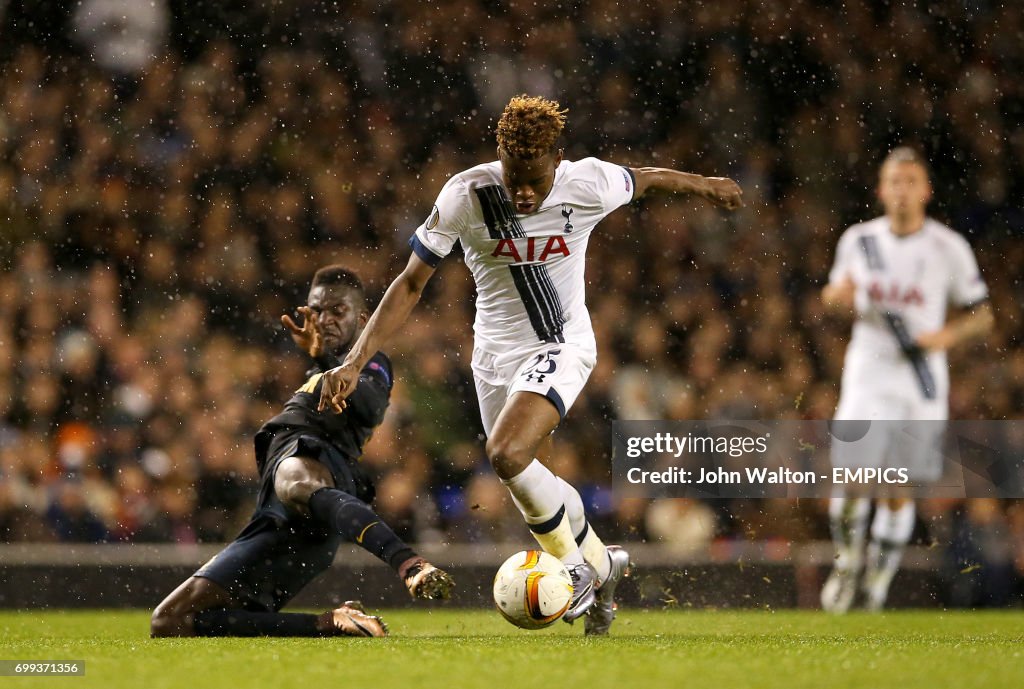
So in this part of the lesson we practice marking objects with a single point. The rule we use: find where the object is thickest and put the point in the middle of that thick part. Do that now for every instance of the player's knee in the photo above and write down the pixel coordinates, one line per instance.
(167, 622)
(297, 479)
(507, 455)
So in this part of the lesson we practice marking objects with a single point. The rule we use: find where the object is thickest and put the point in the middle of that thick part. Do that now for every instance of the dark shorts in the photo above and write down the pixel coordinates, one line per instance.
(270, 562)
(274, 448)
(279, 552)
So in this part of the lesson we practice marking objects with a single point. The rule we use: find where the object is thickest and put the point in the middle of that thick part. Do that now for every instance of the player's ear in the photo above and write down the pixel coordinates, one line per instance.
(558, 157)
(364, 318)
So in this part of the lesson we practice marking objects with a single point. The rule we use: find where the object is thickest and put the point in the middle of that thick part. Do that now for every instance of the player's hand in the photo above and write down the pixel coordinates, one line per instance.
(306, 336)
(723, 192)
(338, 383)
(840, 294)
(936, 341)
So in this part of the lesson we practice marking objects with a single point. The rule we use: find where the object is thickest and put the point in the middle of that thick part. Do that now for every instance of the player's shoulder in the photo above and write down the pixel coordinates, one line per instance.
(381, 358)
(868, 228)
(589, 176)
(478, 176)
(457, 200)
(459, 187)
(945, 236)
(588, 169)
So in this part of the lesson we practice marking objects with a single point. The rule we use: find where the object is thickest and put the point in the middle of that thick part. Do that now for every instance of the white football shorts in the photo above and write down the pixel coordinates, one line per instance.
(904, 431)
(558, 371)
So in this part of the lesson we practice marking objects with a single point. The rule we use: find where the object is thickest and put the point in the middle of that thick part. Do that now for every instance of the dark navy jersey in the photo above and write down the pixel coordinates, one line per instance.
(347, 431)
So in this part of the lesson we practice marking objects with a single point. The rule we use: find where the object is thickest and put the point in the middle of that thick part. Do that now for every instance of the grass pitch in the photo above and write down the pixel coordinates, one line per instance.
(455, 649)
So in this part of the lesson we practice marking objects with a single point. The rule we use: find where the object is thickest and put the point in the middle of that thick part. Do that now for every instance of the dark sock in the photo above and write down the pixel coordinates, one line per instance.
(353, 519)
(223, 622)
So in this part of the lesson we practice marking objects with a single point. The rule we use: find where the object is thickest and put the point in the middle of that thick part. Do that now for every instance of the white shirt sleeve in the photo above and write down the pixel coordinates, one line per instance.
(434, 239)
(846, 254)
(613, 184)
(966, 286)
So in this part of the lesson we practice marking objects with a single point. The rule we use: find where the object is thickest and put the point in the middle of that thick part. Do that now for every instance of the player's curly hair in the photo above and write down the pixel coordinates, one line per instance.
(530, 126)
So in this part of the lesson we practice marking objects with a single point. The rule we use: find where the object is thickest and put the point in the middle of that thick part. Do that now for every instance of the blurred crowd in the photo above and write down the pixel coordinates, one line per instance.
(157, 217)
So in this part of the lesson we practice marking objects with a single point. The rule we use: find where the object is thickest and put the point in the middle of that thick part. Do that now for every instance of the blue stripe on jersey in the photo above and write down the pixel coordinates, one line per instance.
(869, 245)
(425, 254)
(913, 352)
(545, 313)
(499, 215)
(532, 281)
(544, 280)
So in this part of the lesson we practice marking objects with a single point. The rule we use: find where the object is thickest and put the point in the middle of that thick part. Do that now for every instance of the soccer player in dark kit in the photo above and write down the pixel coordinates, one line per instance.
(313, 495)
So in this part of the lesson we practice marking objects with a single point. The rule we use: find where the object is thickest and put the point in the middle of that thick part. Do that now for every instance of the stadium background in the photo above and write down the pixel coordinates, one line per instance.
(158, 215)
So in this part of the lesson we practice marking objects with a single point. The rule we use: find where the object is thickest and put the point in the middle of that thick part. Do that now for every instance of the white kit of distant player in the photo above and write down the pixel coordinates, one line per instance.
(901, 274)
(918, 277)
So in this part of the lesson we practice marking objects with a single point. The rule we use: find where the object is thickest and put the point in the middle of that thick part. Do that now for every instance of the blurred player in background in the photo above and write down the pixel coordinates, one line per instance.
(524, 222)
(897, 274)
(313, 496)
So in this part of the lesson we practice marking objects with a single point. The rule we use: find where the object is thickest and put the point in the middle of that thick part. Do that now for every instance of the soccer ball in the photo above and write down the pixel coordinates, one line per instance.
(532, 589)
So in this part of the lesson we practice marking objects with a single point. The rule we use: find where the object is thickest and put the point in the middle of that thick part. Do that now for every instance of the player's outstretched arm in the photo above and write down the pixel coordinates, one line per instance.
(975, 323)
(720, 191)
(392, 311)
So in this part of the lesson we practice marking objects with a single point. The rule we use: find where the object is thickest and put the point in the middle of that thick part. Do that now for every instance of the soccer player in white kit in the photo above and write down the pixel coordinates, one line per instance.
(524, 222)
(898, 274)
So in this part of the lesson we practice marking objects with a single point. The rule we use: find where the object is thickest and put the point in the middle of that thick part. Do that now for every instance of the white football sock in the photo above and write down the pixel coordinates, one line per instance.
(890, 533)
(573, 507)
(593, 549)
(848, 519)
(538, 494)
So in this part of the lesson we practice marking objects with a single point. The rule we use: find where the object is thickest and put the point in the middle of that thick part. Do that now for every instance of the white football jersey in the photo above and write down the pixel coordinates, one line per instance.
(528, 268)
(902, 283)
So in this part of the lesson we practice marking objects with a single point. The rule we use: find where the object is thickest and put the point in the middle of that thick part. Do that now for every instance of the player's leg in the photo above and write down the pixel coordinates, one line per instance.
(306, 486)
(857, 443)
(525, 421)
(175, 616)
(591, 546)
(917, 449)
(348, 620)
(202, 607)
(610, 562)
(890, 532)
(848, 519)
(549, 381)
(522, 400)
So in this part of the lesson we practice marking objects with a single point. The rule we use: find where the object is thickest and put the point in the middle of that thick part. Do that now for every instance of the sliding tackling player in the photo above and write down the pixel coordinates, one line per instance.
(313, 496)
